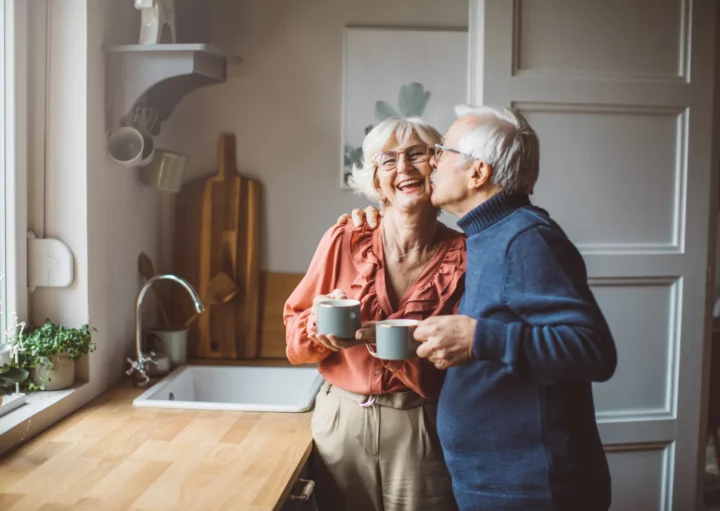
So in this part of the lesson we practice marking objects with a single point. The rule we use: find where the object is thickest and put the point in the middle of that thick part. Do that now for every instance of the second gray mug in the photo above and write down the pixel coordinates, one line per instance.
(340, 318)
(394, 339)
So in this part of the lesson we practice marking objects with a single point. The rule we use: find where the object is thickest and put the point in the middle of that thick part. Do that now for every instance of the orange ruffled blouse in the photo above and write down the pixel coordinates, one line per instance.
(352, 260)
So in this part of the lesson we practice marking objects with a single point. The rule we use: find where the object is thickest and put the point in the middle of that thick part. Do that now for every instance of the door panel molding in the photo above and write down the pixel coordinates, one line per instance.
(663, 258)
(673, 178)
(617, 433)
(648, 340)
(679, 75)
(644, 476)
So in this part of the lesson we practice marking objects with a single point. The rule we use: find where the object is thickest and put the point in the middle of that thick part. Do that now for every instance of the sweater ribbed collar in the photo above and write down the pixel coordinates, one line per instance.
(491, 211)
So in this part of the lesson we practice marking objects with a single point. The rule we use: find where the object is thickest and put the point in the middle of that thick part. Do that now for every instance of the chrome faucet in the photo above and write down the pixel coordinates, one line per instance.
(141, 364)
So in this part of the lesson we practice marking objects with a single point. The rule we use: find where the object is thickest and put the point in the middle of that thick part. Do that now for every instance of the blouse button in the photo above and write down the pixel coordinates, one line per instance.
(377, 371)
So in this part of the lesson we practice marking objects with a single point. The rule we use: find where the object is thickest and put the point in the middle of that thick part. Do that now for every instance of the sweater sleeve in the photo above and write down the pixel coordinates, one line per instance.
(321, 279)
(556, 331)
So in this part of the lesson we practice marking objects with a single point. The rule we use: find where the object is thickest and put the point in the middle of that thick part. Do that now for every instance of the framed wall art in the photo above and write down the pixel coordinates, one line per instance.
(391, 72)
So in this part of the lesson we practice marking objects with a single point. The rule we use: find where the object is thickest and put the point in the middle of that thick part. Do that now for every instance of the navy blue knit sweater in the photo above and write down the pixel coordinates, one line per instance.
(517, 423)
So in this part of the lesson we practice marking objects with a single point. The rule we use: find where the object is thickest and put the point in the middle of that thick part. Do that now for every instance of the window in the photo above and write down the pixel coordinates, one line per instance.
(24, 23)
(13, 157)
(4, 182)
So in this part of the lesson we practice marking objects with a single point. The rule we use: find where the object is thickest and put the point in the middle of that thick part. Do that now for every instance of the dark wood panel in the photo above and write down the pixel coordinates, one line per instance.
(275, 288)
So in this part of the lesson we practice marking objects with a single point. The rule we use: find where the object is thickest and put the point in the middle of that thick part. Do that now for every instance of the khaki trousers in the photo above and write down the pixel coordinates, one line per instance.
(385, 456)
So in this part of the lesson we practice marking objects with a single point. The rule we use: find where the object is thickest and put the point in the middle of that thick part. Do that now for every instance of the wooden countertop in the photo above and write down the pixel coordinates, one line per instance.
(113, 456)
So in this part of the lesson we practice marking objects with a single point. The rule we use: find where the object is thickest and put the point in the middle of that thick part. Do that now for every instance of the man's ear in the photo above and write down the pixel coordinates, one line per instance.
(480, 174)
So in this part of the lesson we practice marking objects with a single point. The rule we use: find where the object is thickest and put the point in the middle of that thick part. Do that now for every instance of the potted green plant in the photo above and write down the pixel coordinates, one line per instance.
(50, 352)
(9, 377)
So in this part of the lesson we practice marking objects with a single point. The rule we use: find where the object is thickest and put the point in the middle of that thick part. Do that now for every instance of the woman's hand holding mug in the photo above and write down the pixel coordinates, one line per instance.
(330, 342)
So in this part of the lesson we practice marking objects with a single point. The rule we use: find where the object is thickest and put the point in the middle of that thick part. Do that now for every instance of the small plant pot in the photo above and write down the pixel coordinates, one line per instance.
(57, 375)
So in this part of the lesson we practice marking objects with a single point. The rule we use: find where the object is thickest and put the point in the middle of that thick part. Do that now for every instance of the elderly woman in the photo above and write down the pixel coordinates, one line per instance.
(376, 446)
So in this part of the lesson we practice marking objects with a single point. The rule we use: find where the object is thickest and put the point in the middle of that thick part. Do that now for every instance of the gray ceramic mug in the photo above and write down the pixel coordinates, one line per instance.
(340, 318)
(394, 339)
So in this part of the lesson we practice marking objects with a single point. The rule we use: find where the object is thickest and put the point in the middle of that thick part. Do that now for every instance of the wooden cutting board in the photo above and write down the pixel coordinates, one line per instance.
(218, 229)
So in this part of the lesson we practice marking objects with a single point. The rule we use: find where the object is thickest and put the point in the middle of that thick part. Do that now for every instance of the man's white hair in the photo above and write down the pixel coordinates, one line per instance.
(503, 139)
(402, 129)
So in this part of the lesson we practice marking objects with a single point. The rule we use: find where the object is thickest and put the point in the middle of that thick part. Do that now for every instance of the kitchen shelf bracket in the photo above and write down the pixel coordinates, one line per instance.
(146, 82)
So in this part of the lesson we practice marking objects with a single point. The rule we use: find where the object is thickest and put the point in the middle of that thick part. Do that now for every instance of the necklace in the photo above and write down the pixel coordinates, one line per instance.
(396, 256)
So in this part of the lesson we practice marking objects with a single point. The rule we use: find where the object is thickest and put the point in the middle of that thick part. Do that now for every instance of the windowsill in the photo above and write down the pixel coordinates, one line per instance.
(12, 402)
(43, 407)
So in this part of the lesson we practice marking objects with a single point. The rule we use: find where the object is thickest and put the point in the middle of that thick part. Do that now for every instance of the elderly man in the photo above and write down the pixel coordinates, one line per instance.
(516, 417)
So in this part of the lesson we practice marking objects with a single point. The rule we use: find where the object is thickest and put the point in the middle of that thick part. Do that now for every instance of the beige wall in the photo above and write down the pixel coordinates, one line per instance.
(99, 209)
(123, 216)
(65, 199)
(283, 104)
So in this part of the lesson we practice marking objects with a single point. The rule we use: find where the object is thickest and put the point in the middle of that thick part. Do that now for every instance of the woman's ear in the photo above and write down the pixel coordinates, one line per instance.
(480, 175)
(383, 200)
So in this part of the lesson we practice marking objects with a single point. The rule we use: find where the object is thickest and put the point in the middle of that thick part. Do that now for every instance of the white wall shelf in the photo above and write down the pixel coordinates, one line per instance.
(158, 76)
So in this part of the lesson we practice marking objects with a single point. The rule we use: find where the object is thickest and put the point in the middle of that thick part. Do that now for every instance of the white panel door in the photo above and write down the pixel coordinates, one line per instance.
(620, 93)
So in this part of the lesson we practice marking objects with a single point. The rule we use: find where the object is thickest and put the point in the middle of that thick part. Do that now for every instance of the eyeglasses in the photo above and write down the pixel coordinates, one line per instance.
(388, 160)
(440, 149)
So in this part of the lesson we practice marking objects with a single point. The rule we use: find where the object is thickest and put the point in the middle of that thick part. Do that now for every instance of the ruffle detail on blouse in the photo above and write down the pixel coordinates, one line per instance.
(367, 264)
(444, 282)
(426, 297)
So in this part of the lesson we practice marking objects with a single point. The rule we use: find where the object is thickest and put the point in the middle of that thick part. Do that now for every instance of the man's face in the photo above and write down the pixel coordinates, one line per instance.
(450, 180)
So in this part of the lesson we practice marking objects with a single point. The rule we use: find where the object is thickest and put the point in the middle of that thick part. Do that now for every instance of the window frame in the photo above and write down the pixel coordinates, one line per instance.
(28, 34)
(13, 160)
(4, 302)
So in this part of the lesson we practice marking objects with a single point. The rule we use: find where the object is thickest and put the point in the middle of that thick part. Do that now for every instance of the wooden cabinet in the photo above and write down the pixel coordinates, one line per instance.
(302, 494)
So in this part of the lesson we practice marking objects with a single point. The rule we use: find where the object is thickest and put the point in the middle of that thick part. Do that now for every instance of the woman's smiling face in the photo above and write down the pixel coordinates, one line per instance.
(403, 173)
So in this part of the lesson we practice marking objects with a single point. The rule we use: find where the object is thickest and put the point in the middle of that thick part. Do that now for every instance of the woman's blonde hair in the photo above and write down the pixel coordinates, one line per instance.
(362, 179)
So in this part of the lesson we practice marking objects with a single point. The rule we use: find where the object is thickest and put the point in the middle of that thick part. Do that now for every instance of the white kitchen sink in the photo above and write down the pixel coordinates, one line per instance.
(250, 389)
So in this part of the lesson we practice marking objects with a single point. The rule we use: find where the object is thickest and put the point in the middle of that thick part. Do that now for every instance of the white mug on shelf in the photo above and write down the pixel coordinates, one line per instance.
(131, 147)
